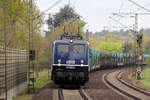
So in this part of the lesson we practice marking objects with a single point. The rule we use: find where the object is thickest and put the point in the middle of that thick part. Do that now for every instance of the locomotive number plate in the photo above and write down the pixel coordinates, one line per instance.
(70, 67)
(70, 62)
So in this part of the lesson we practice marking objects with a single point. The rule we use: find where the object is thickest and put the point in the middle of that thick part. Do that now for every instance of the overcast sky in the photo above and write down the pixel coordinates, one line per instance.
(96, 12)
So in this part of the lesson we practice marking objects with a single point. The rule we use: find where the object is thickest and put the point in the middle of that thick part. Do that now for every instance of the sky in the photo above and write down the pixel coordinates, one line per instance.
(98, 14)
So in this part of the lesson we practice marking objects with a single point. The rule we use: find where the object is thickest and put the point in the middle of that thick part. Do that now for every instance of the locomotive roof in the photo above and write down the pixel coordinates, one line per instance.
(68, 41)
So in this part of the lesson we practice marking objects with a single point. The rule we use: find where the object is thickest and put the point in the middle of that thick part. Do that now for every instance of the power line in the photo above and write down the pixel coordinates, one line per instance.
(136, 15)
(131, 13)
(118, 22)
(139, 5)
(43, 13)
(140, 8)
(52, 6)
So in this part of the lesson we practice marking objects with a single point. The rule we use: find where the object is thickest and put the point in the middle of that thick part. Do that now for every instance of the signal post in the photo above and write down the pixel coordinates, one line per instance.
(139, 38)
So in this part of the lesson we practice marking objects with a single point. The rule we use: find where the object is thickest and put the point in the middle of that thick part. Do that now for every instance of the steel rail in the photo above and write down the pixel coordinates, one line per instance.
(120, 90)
(60, 94)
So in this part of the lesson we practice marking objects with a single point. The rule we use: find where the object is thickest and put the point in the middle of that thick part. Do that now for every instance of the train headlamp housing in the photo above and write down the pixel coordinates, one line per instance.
(82, 61)
(59, 61)
(71, 41)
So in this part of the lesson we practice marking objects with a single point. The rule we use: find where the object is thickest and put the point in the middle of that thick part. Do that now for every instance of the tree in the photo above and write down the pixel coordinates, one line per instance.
(128, 47)
(18, 20)
(108, 43)
(146, 43)
(111, 43)
(18, 23)
(70, 26)
(65, 13)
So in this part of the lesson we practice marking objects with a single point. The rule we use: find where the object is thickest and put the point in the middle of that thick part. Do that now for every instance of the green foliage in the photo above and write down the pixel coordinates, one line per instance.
(128, 47)
(45, 59)
(94, 43)
(146, 44)
(109, 43)
(70, 26)
(145, 78)
(145, 75)
(40, 83)
(18, 21)
(128, 36)
(114, 47)
(23, 97)
(42, 80)
(65, 13)
(148, 61)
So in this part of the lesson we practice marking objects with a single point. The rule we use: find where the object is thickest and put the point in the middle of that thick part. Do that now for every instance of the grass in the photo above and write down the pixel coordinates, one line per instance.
(23, 97)
(145, 78)
(131, 76)
(41, 81)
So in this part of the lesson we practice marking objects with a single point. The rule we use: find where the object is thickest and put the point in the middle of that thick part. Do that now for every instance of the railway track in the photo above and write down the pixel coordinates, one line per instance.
(64, 94)
(113, 79)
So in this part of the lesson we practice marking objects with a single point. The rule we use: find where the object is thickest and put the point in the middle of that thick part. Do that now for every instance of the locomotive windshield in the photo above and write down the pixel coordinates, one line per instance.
(63, 48)
(78, 48)
(75, 48)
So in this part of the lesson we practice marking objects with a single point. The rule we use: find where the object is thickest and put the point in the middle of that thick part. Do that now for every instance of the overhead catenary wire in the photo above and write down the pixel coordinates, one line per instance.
(120, 14)
(117, 22)
(140, 8)
(43, 13)
(52, 6)
(123, 26)
(139, 5)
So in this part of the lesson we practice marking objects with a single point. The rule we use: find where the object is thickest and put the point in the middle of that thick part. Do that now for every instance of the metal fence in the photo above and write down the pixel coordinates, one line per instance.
(14, 70)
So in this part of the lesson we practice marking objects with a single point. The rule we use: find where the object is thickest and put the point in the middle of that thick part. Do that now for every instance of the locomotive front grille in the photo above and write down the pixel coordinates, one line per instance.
(70, 74)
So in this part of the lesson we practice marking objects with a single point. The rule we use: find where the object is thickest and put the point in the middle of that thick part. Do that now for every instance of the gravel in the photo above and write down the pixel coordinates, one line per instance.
(95, 88)
(98, 90)
(45, 93)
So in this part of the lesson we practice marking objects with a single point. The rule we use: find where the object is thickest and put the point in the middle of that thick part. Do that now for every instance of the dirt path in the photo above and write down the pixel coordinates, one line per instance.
(45, 93)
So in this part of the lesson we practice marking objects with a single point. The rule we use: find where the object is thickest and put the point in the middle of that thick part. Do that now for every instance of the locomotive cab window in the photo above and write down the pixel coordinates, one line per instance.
(63, 48)
(78, 48)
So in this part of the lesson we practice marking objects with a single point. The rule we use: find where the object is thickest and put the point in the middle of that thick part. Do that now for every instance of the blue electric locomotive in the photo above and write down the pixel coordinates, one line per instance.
(70, 61)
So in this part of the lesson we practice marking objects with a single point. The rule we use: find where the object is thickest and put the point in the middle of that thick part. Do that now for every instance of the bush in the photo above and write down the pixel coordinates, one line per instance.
(148, 62)
(45, 59)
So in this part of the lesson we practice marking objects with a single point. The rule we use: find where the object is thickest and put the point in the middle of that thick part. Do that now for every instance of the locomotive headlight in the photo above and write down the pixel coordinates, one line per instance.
(82, 61)
(59, 61)
(71, 41)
